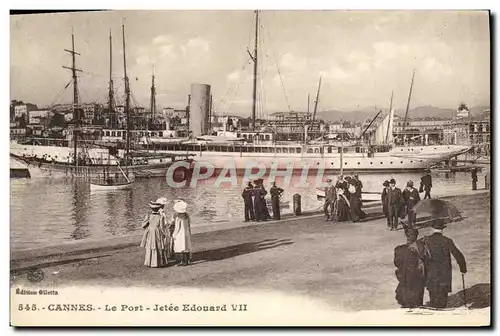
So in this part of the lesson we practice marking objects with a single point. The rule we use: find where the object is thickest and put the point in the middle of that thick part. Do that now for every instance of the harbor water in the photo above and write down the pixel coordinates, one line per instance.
(52, 211)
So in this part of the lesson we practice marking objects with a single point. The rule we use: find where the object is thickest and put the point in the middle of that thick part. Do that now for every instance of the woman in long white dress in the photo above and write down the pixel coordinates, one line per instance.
(154, 238)
(182, 232)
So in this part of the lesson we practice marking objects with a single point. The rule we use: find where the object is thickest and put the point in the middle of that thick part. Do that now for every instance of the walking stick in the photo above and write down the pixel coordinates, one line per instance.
(465, 293)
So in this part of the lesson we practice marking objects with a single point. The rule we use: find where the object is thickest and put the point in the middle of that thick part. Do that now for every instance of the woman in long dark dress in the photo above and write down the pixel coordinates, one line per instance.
(342, 209)
(408, 259)
(356, 211)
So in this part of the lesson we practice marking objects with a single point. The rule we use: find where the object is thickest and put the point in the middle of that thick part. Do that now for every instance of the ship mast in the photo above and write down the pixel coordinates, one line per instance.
(153, 98)
(316, 102)
(409, 97)
(390, 109)
(76, 114)
(254, 59)
(127, 97)
(111, 90)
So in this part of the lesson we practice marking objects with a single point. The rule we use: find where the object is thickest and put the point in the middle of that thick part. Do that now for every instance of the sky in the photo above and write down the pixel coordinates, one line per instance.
(361, 56)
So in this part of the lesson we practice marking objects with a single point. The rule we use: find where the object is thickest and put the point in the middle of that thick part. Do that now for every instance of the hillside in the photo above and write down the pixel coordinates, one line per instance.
(417, 112)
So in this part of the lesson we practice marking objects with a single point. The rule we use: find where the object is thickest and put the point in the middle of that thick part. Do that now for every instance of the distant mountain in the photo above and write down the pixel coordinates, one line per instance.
(417, 112)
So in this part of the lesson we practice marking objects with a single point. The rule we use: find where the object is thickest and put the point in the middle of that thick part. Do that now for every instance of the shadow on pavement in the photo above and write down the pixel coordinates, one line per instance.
(239, 249)
(478, 296)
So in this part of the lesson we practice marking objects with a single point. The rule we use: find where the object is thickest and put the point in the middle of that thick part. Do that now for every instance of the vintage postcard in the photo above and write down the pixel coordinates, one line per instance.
(250, 168)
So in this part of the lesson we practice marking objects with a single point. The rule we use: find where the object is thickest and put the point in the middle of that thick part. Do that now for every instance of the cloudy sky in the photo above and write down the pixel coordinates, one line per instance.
(361, 57)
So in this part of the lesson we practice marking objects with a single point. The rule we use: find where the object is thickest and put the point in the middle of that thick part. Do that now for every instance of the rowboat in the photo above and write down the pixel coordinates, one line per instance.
(110, 187)
(108, 183)
(365, 196)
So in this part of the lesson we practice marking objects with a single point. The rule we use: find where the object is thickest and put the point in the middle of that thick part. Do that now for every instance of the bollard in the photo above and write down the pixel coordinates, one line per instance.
(297, 205)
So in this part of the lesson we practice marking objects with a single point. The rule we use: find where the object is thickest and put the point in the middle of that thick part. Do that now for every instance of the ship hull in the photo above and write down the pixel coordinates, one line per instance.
(60, 170)
(415, 158)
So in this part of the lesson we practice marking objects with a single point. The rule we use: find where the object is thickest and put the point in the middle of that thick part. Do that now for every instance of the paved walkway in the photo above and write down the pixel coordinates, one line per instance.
(349, 266)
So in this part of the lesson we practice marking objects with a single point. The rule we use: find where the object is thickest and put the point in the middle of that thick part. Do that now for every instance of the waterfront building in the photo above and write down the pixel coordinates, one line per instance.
(290, 126)
(34, 116)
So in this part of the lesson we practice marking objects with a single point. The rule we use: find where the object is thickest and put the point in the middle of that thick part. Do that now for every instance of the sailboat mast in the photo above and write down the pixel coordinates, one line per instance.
(390, 109)
(76, 114)
(316, 102)
(254, 106)
(153, 98)
(111, 90)
(308, 103)
(127, 96)
(409, 97)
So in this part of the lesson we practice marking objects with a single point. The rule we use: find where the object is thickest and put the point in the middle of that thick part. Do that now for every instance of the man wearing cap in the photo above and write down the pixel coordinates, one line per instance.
(394, 201)
(385, 204)
(411, 197)
(358, 185)
(330, 196)
(247, 199)
(276, 193)
(437, 259)
(408, 259)
(426, 184)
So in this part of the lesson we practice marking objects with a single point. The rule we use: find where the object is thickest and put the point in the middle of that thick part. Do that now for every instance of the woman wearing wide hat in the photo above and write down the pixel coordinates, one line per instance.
(154, 238)
(182, 232)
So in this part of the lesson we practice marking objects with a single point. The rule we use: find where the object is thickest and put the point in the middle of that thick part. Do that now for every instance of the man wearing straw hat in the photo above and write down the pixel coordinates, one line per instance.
(437, 258)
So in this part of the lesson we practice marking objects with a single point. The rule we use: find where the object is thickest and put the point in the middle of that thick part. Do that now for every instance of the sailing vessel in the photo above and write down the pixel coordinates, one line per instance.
(89, 158)
(107, 182)
(239, 150)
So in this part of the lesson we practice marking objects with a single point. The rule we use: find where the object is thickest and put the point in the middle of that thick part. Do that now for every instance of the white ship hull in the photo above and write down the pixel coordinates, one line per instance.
(410, 159)
(414, 158)
(61, 169)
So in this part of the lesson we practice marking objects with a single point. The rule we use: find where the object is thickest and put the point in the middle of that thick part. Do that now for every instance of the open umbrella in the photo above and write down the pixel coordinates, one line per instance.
(437, 208)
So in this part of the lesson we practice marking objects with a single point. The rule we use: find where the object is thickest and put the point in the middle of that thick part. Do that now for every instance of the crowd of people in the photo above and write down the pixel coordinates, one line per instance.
(254, 198)
(420, 263)
(167, 239)
(398, 204)
(343, 201)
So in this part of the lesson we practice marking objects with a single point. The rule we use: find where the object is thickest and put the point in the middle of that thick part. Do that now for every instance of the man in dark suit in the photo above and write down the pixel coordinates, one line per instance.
(408, 259)
(394, 201)
(437, 259)
(426, 184)
(411, 198)
(359, 186)
(385, 205)
(276, 193)
(247, 195)
(330, 196)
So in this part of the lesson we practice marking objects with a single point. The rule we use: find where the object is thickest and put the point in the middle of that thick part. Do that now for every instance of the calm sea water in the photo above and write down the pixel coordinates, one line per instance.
(47, 212)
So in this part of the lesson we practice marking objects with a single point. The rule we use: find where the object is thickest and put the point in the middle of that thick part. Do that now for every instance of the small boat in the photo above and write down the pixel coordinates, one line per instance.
(283, 204)
(107, 182)
(365, 196)
(110, 187)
